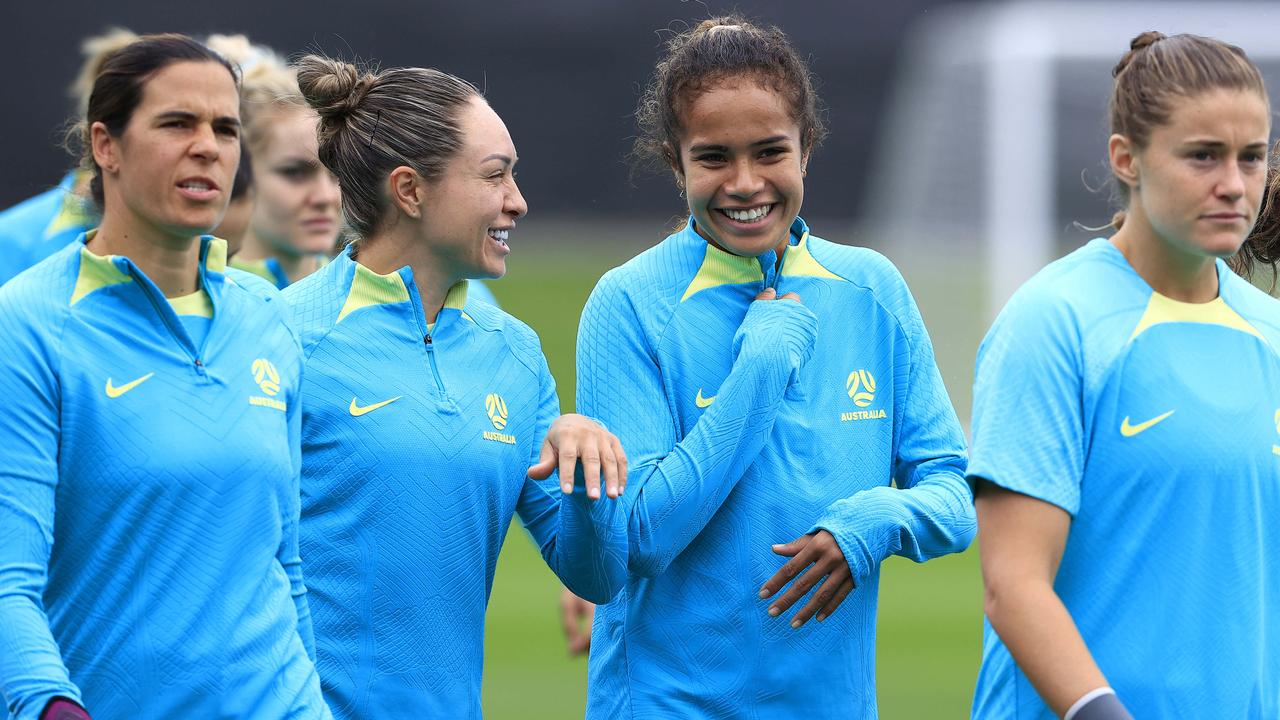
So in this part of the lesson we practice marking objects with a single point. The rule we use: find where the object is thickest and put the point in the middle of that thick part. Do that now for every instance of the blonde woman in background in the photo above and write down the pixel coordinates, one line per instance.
(294, 225)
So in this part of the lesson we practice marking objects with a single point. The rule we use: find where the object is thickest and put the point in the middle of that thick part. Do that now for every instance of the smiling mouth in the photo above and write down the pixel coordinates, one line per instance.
(499, 237)
(749, 215)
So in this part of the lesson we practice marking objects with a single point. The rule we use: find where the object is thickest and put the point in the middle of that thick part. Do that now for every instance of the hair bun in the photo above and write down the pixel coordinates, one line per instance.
(1137, 45)
(334, 88)
(1146, 39)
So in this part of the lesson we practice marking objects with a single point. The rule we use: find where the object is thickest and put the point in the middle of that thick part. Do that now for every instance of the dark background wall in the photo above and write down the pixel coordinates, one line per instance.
(564, 74)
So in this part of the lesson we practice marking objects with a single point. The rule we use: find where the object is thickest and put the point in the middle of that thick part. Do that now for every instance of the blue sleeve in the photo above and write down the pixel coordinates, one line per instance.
(676, 484)
(1028, 395)
(929, 512)
(31, 667)
(584, 542)
(291, 508)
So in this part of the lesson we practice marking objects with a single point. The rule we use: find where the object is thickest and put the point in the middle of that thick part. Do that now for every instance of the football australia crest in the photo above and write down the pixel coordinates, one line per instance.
(861, 388)
(496, 408)
(268, 380)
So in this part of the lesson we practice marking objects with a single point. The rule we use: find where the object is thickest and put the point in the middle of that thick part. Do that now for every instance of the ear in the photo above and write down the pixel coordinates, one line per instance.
(1124, 160)
(407, 190)
(106, 149)
(804, 163)
(672, 156)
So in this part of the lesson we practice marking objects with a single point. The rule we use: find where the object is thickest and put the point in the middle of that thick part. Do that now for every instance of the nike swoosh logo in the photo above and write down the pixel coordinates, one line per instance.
(1128, 430)
(115, 392)
(703, 402)
(357, 411)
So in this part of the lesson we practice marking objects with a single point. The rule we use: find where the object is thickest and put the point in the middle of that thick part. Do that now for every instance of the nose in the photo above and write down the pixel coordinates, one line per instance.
(204, 144)
(1231, 185)
(326, 192)
(743, 181)
(514, 204)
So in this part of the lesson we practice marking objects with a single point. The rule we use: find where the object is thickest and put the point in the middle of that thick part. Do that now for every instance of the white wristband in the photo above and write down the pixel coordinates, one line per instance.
(1084, 700)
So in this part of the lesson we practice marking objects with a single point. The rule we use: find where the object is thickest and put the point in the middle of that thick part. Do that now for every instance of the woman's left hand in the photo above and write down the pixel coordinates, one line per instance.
(813, 557)
(573, 438)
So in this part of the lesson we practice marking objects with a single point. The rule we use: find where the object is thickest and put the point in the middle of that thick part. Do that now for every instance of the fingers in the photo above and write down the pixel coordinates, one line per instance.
(841, 593)
(804, 582)
(576, 617)
(767, 294)
(789, 569)
(567, 452)
(790, 296)
(620, 456)
(609, 466)
(824, 595)
(546, 464)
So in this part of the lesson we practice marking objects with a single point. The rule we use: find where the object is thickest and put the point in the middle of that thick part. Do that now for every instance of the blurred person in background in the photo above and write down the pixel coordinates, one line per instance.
(235, 223)
(1126, 427)
(42, 225)
(149, 479)
(778, 397)
(429, 419)
(295, 221)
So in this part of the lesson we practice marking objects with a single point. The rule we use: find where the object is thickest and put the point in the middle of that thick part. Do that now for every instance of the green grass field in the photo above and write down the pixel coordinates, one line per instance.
(930, 621)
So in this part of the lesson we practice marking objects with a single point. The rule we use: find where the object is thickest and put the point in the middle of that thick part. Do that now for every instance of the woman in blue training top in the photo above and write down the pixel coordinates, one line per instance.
(1126, 427)
(149, 475)
(39, 226)
(423, 412)
(771, 388)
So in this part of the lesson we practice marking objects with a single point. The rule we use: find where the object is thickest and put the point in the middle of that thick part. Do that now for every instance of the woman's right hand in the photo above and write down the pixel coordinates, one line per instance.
(779, 332)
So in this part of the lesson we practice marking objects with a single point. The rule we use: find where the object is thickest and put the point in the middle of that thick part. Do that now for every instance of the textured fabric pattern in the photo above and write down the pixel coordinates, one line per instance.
(148, 502)
(415, 455)
(1164, 447)
(41, 225)
(743, 430)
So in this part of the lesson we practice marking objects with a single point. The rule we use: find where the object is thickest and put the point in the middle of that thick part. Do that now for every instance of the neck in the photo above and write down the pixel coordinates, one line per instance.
(1174, 272)
(172, 263)
(400, 245)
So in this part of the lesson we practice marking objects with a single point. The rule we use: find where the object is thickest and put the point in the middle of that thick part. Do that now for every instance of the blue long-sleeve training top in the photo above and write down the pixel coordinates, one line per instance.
(43, 224)
(749, 424)
(149, 496)
(416, 441)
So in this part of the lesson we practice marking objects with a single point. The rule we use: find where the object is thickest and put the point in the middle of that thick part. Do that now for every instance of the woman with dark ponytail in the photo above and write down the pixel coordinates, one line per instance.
(1262, 247)
(149, 563)
(429, 419)
(1126, 427)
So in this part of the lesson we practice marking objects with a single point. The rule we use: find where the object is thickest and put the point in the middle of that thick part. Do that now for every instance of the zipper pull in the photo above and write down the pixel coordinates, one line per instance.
(426, 338)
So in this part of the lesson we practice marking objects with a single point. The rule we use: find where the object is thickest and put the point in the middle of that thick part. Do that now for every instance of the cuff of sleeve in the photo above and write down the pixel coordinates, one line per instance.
(856, 552)
(61, 708)
(1098, 704)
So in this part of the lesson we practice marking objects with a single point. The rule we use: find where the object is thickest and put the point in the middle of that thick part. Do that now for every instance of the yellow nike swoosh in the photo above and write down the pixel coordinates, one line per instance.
(703, 402)
(115, 392)
(1128, 430)
(357, 411)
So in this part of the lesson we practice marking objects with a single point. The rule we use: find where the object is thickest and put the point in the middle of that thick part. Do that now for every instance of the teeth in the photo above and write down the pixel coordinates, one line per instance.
(195, 186)
(499, 235)
(749, 215)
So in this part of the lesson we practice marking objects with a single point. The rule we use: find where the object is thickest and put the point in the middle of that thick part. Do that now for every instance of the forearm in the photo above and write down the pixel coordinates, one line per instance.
(683, 490)
(1040, 634)
(587, 546)
(31, 667)
(934, 517)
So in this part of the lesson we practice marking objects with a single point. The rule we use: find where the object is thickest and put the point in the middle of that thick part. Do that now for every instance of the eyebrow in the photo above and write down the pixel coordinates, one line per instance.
(183, 115)
(702, 147)
(1206, 142)
(506, 159)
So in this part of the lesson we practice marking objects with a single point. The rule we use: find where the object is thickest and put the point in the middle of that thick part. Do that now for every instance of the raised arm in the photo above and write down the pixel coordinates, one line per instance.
(677, 484)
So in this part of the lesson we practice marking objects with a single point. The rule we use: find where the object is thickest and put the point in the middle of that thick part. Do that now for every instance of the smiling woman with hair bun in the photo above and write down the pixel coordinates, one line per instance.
(429, 418)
